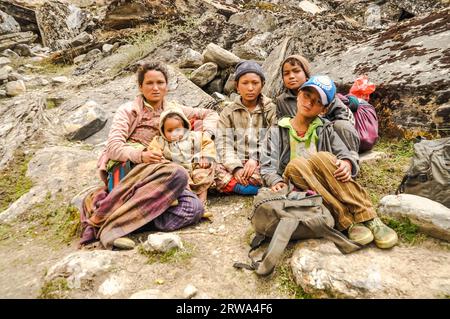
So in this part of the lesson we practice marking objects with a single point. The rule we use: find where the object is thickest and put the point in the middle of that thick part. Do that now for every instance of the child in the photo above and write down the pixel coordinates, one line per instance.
(193, 150)
(295, 71)
(241, 129)
(306, 151)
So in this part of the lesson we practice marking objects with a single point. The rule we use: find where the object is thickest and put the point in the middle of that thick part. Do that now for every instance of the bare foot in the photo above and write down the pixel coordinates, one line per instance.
(203, 197)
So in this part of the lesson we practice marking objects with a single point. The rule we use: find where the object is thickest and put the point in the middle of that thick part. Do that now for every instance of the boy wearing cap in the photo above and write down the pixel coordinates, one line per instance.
(295, 71)
(306, 151)
(241, 129)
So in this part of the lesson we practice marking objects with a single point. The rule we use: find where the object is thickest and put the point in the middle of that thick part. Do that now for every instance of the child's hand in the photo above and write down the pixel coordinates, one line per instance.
(204, 163)
(239, 176)
(249, 168)
(344, 171)
(152, 157)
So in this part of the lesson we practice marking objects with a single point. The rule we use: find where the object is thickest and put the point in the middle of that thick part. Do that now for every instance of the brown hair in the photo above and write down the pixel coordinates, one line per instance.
(151, 66)
(176, 117)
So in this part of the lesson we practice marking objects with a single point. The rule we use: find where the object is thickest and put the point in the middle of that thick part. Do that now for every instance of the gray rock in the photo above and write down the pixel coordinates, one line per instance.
(4, 61)
(220, 56)
(60, 79)
(79, 59)
(255, 48)
(14, 76)
(15, 88)
(261, 21)
(218, 97)
(230, 85)
(10, 54)
(441, 117)
(2, 94)
(162, 242)
(401, 272)
(271, 66)
(8, 24)
(204, 74)
(81, 39)
(8, 41)
(67, 164)
(112, 286)
(92, 54)
(190, 59)
(107, 48)
(215, 85)
(190, 291)
(82, 267)
(4, 72)
(23, 50)
(405, 62)
(59, 23)
(87, 120)
(432, 217)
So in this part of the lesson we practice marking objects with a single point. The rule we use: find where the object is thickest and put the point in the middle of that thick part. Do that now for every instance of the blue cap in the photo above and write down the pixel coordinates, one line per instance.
(324, 86)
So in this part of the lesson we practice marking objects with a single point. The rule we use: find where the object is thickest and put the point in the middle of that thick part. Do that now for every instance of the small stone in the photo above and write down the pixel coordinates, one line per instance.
(148, 294)
(14, 76)
(190, 291)
(124, 243)
(3, 94)
(23, 50)
(60, 79)
(162, 242)
(15, 88)
(106, 48)
(4, 72)
(159, 281)
(111, 286)
(92, 54)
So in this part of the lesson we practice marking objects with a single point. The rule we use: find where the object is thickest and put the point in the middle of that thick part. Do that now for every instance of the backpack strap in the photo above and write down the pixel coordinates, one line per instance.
(280, 239)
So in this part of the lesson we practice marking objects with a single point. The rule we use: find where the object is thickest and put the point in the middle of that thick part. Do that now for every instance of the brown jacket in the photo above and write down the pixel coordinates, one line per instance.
(240, 132)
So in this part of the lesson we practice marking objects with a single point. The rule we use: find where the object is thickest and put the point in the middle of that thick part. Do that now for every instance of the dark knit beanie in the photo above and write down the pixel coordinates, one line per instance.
(244, 67)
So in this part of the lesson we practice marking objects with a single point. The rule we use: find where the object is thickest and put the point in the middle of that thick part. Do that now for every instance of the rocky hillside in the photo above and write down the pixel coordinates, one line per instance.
(65, 67)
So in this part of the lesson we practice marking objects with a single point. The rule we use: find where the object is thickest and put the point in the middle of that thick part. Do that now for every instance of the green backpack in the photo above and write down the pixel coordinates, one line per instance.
(287, 215)
(429, 173)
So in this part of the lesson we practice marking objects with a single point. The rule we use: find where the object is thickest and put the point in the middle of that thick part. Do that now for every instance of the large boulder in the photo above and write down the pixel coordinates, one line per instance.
(15, 88)
(432, 217)
(190, 59)
(87, 120)
(401, 272)
(409, 64)
(59, 23)
(253, 49)
(261, 21)
(220, 56)
(10, 40)
(8, 24)
(204, 74)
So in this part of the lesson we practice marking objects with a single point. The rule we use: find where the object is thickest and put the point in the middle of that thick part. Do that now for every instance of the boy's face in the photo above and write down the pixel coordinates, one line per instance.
(309, 104)
(293, 76)
(173, 129)
(249, 87)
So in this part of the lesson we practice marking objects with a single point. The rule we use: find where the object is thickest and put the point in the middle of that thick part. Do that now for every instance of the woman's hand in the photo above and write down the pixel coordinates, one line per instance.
(204, 163)
(249, 168)
(344, 170)
(278, 186)
(152, 157)
(239, 176)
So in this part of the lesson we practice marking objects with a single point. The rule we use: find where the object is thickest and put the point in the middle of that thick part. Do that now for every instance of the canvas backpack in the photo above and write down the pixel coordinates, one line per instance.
(287, 215)
(366, 121)
(429, 172)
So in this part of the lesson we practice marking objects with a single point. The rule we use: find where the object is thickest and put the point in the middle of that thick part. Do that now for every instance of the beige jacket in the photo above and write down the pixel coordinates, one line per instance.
(240, 132)
(187, 151)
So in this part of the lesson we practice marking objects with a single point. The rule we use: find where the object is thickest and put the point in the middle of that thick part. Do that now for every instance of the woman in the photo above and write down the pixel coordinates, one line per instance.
(295, 71)
(153, 190)
(306, 151)
(241, 128)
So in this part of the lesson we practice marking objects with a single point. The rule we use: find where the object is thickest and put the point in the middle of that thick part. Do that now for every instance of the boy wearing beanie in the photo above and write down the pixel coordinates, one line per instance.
(241, 129)
(306, 151)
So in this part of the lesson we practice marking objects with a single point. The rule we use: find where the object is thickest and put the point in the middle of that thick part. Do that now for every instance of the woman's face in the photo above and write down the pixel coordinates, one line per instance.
(249, 87)
(293, 76)
(154, 86)
(309, 104)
